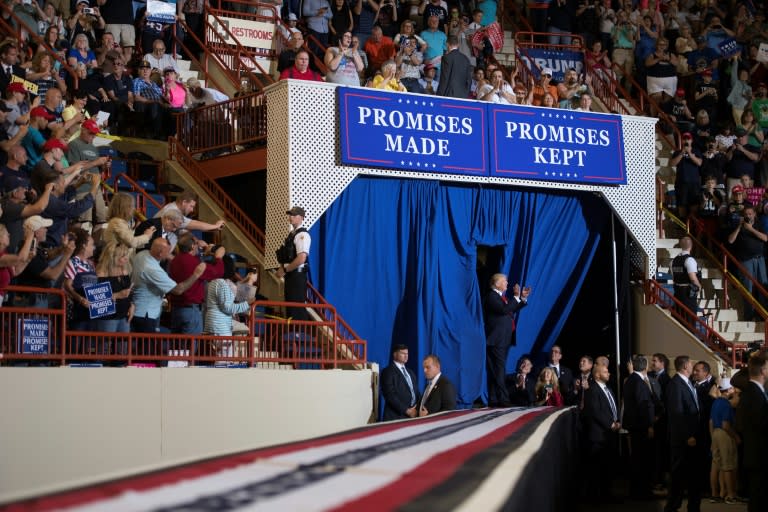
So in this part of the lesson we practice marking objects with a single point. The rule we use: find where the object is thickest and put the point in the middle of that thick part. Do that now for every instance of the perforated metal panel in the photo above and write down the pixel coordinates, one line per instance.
(304, 170)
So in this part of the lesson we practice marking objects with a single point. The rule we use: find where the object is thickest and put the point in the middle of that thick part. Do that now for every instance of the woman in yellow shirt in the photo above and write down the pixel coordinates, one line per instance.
(387, 79)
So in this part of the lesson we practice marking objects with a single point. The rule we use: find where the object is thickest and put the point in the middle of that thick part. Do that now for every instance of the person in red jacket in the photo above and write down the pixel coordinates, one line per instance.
(300, 69)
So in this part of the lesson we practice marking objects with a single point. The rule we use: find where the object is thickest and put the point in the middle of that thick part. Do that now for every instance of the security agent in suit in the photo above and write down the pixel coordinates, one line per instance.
(399, 388)
(601, 430)
(752, 422)
(500, 327)
(564, 374)
(455, 72)
(638, 420)
(439, 394)
(686, 441)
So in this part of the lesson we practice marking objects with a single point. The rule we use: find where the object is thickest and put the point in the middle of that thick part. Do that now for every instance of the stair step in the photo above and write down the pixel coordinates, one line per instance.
(743, 337)
(183, 65)
(739, 327)
(666, 242)
(186, 75)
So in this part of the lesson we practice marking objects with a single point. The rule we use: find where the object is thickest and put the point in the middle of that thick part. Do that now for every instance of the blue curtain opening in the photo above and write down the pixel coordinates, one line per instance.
(397, 258)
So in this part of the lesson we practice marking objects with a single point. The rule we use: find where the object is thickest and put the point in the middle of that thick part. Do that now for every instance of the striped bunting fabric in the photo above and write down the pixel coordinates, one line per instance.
(460, 460)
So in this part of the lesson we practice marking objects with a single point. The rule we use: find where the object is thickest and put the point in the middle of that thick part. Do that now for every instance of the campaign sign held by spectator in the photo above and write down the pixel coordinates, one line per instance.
(559, 61)
(728, 48)
(100, 300)
(410, 132)
(556, 145)
(33, 335)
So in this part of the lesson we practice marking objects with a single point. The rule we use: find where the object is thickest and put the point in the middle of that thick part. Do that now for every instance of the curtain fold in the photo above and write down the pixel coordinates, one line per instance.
(397, 258)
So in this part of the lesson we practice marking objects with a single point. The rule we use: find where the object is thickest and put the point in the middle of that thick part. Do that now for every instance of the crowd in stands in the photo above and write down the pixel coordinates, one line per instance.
(106, 61)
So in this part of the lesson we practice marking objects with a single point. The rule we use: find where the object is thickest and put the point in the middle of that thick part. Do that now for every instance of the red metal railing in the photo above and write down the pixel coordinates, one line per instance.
(209, 56)
(511, 16)
(241, 120)
(270, 340)
(239, 60)
(347, 340)
(718, 255)
(729, 351)
(233, 212)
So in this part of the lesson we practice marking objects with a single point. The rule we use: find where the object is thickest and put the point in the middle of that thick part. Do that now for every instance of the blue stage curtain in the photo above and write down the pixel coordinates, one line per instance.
(397, 258)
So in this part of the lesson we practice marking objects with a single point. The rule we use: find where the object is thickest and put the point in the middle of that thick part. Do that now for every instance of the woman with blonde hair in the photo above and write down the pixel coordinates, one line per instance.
(388, 80)
(119, 228)
(82, 53)
(114, 267)
(43, 74)
(547, 390)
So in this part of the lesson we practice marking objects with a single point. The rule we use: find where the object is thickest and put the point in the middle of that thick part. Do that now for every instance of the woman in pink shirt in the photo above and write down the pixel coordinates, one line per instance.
(175, 93)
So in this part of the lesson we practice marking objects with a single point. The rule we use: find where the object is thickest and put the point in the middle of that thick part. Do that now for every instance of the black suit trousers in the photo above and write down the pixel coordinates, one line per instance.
(496, 366)
(684, 463)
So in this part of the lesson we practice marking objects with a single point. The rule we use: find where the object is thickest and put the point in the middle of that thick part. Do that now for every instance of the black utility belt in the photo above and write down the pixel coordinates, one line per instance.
(299, 270)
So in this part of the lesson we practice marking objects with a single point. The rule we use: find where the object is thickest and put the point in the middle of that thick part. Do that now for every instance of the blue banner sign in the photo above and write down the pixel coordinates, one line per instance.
(556, 145)
(559, 61)
(100, 300)
(32, 335)
(443, 135)
(412, 132)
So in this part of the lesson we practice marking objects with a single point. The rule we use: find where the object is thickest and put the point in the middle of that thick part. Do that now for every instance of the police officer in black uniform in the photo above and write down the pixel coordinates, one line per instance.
(293, 258)
(686, 278)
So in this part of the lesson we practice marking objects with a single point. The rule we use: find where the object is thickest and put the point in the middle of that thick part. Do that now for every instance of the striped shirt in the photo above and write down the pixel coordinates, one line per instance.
(220, 305)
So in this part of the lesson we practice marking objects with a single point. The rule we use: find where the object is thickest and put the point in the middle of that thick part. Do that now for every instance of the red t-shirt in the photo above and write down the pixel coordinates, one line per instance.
(181, 268)
(6, 274)
(295, 74)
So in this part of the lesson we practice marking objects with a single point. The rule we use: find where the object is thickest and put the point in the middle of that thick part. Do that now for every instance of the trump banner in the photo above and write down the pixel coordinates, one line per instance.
(556, 145)
(412, 132)
(438, 135)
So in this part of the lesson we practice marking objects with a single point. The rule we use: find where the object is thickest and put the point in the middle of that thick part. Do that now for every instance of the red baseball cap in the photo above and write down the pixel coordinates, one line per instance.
(680, 92)
(16, 87)
(687, 135)
(41, 112)
(52, 144)
(91, 126)
(736, 189)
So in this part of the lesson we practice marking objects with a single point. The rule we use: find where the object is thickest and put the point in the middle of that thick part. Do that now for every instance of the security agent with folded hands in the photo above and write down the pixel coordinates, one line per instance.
(293, 258)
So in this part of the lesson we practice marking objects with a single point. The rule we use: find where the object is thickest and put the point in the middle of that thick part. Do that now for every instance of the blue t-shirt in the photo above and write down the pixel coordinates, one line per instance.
(33, 144)
(721, 411)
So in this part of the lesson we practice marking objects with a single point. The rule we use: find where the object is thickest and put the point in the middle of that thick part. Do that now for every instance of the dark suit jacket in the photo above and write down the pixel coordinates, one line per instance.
(598, 416)
(682, 412)
(396, 393)
(638, 404)
(5, 79)
(525, 396)
(752, 421)
(141, 228)
(442, 397)
(498, 318)
(455, 75)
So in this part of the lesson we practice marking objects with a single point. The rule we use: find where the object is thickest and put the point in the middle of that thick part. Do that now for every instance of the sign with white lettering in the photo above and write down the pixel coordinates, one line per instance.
(412, 132)
(100, 300)
(32, 335)
(250, 34)
(728, 48)
(161, 11)
(559, 61)
(556, 145)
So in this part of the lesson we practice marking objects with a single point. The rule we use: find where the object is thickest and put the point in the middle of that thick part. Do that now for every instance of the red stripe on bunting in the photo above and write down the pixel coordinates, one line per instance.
(434, 471)
(147, 481)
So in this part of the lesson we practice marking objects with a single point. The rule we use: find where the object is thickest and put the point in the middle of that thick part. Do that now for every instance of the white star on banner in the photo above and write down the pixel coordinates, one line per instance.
(418, 164)
(400, 100)
(410, 163)
(408, 101)
(434, 165)
(402, 162)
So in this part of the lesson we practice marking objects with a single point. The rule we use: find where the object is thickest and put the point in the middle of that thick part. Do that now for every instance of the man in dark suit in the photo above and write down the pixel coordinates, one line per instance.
(601, 431)
(439, 395)
(752, 422)
(702, 383)
(659, 379)
(500, 327)
(638, 420)
(564, 374)
(455, 73)
(398, 387)
(166, 226)
(686, 440)
(9, 65)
